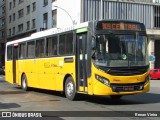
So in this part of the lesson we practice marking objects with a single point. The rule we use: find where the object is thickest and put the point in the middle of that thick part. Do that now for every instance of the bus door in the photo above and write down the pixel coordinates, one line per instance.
(15, 57)
(81, 62)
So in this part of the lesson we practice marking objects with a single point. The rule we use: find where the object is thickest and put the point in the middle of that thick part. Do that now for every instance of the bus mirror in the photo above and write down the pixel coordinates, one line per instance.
(93, 43)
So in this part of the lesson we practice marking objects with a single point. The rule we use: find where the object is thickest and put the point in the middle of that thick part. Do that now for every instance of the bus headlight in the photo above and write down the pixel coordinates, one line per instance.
(102, 80)
(146, 80)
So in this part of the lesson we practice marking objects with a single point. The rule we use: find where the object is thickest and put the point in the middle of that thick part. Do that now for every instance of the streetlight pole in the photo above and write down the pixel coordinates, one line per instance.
(65, 12)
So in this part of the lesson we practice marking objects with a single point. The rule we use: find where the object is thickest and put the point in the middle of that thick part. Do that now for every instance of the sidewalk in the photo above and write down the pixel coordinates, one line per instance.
(155, 83)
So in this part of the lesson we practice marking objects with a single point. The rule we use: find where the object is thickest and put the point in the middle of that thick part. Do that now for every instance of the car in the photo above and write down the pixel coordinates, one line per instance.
(155, 74)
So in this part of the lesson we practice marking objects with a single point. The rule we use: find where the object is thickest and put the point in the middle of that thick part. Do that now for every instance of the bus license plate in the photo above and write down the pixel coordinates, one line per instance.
(128, 88)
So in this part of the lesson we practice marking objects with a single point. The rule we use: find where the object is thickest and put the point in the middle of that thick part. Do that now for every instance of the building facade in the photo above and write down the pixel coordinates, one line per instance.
(25, 17)
(146, 11)
(2, 30)
(21, 18)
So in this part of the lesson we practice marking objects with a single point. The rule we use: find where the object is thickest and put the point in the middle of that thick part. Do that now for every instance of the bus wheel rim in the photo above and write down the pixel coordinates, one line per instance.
(70, 89)
(24, 83)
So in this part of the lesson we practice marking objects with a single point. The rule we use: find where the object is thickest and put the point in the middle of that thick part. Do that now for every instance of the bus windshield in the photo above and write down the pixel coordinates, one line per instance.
(120, 50)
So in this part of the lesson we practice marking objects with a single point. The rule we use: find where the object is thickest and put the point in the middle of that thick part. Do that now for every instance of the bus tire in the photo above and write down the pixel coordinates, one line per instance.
(24, 84)
(70, 89)
(116, 97)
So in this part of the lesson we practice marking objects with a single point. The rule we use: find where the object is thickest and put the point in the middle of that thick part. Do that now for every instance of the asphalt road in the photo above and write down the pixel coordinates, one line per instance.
(12, 98)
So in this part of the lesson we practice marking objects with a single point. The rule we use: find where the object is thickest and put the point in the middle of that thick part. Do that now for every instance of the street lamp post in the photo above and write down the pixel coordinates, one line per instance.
(65, 12)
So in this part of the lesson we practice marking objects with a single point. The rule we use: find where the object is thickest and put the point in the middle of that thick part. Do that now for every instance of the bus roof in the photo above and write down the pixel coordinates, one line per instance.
(53, 31)
(49, 32)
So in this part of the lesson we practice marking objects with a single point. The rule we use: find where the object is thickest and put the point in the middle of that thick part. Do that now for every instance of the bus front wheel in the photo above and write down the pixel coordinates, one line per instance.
(24, 85)
(70, 90)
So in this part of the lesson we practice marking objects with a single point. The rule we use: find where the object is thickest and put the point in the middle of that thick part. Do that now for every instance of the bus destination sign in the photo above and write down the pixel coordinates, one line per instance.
(118, 26)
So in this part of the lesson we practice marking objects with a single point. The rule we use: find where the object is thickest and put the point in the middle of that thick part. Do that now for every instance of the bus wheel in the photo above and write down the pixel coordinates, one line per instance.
(116, 97)
(70, 90)
(24, 83)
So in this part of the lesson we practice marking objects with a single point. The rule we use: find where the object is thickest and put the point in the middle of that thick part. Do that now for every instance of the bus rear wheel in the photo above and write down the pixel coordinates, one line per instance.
(70, 90)
(24, 84)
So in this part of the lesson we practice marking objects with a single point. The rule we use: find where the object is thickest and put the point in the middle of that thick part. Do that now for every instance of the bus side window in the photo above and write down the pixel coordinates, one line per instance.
(9, 53)
(55, 50)
(54, 45)
(40, 48)
(66, 44)
(22, 51)
(51, 46)
(31, 49)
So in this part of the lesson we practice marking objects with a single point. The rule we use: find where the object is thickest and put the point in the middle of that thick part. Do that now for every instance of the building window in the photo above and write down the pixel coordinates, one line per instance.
(20, 28)
(14, 3)
(20, 1)
(28, 9)
(28, 25)
(34, 6)
(10, 18)
(3, 22)
(54, 0)
(33, 23)
(45, 20)
(13, 31)
(9, 32)
(45, 2)
(157, 16)
(20, 13)
(156, 1)
(3, 34)
(10, 5)
(3, 10)
(54, 18)
(14, 16)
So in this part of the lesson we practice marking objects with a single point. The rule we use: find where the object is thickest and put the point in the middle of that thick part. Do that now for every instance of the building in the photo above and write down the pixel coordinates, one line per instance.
(25, 17)
(146, 11)
(21, 18)
(2, 30)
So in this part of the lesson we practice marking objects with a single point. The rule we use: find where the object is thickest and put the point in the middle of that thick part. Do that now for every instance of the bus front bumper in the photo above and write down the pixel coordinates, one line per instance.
(121, 89)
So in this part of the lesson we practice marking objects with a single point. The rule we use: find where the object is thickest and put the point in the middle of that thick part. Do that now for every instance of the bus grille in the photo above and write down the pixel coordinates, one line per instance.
(127, 87)
(125, 71)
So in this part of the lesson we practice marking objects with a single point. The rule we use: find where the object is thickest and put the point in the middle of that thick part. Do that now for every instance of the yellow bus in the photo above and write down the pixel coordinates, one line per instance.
(100, 57)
